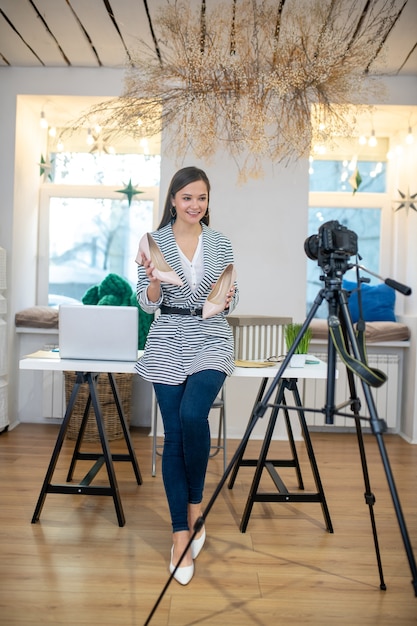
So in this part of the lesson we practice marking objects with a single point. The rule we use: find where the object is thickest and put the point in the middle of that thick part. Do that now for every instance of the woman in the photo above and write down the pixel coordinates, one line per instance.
(186, 357)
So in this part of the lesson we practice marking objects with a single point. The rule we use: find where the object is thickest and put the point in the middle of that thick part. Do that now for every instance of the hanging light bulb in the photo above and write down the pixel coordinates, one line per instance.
(52, 131)
(43, 121)
(60, 145)
(362, 140)
(410, 137)
(372, 140)
(90, 138)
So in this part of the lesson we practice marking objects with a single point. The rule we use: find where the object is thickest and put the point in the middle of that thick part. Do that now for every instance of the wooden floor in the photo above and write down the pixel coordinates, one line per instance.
(76, 565)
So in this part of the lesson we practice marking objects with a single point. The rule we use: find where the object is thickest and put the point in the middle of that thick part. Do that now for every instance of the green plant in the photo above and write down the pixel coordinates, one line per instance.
(291, 333)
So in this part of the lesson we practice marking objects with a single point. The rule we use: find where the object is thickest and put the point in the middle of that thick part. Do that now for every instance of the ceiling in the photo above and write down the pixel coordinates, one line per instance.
(105, 33)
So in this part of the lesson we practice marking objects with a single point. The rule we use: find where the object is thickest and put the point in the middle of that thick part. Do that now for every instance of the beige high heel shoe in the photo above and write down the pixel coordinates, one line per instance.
(162, 271)
(216, 300)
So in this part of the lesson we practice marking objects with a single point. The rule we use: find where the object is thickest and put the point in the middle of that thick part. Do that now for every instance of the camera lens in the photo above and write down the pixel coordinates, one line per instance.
(311, 247)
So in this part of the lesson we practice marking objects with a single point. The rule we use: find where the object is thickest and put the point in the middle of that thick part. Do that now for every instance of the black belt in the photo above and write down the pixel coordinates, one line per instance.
(173, 310)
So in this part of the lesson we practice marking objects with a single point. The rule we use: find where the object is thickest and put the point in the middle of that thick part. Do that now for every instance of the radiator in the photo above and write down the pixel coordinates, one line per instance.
(387, 397)
(53, 395)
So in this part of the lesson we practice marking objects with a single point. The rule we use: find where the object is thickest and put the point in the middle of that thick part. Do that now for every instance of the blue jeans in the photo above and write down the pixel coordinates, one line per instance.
(185, 409)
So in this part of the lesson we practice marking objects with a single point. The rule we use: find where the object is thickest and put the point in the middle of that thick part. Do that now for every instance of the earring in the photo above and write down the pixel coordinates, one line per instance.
(173, 212)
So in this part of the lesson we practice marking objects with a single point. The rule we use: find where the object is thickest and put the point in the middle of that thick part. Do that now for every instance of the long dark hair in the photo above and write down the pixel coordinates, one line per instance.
(181, 179)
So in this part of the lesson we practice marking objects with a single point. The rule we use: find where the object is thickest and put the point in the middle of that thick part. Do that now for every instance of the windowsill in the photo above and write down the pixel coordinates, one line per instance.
(37, 331)
(373, 344)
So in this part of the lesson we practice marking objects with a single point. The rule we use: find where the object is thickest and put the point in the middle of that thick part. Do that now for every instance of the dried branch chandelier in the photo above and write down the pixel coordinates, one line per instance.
(248, 75)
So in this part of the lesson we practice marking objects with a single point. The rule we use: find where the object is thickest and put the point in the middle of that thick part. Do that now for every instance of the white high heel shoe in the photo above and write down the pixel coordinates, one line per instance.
(183, 575)
(216, 300)
(162, 271)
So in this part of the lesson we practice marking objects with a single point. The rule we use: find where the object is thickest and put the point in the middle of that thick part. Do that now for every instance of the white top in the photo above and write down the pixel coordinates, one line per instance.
(193, 270)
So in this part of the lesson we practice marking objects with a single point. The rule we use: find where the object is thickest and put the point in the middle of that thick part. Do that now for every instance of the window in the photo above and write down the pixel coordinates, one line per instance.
(106, 243)
(366, 223)
(90, 230)
(334, 175)
(332, 197)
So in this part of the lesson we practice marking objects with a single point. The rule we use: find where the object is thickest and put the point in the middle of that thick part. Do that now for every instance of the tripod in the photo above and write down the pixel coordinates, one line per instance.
(343, 339)
(340, 326)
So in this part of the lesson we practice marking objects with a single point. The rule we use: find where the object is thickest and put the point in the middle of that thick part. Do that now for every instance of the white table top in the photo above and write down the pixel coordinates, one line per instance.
(50, 360)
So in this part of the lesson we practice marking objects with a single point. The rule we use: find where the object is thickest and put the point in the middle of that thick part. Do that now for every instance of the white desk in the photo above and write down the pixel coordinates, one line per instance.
(87, 372)
(50, 360)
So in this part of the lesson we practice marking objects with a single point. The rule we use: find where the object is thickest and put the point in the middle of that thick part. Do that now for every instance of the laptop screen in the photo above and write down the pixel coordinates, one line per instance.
(105, 333)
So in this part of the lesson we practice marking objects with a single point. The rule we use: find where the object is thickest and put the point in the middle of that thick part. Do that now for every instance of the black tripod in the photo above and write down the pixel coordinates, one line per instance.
(342, 338)
(341, 331)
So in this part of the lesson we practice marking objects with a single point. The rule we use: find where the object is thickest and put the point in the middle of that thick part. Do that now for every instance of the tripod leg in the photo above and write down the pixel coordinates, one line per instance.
(369, 496)
(377, 426)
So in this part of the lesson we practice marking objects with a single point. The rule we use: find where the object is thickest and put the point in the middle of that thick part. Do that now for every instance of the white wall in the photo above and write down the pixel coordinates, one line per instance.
(266, 219)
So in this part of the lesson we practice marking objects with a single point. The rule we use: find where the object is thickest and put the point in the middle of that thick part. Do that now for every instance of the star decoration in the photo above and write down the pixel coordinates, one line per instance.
(406, 202)
(100, 144)
(355, 181)
(45, 167)
(130, 191)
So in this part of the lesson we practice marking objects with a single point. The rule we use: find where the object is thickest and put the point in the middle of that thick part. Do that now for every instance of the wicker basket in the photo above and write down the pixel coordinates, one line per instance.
(111, 419)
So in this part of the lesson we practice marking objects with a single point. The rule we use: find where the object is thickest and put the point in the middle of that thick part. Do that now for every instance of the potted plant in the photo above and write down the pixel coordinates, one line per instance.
(291, 333)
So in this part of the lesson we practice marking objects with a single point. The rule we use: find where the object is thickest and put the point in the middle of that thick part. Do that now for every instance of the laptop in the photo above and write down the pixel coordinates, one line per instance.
(104, 333)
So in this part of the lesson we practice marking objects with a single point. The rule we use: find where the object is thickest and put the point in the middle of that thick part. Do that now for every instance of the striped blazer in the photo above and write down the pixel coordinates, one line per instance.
(178, 345)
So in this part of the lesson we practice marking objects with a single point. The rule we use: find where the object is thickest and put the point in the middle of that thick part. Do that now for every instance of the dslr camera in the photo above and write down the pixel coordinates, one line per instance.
(333, 244)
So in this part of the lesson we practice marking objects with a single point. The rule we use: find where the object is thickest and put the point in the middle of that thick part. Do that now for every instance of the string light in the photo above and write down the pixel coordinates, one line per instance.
(410, 137)
(43, 121)
(90, 138)
(372, 140)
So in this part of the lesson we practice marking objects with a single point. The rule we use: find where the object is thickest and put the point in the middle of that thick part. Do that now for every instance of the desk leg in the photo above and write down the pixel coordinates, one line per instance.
(76, 454)
(262, 460)
(282, 494)
(132, 455)
(107, 454)
(293, 447)
(312, 458)
(57, 450)
(240, 461)
(101, 458)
